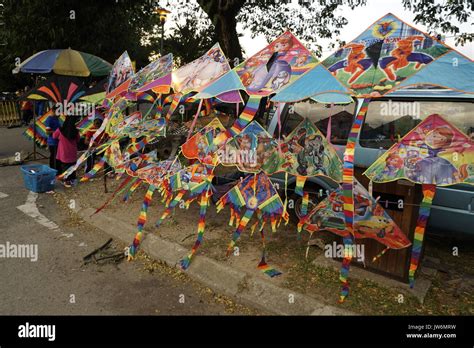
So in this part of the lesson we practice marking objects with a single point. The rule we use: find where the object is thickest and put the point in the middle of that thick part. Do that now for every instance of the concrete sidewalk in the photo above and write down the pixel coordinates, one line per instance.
(240, 285)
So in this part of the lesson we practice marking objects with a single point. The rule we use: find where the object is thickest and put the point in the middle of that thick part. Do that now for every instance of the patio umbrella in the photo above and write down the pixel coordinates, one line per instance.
(64, 62)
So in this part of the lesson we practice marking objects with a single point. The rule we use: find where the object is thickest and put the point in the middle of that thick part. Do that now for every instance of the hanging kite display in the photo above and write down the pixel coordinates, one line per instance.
(389, 55)
(255, 194)
(434, 153)
(196, 180)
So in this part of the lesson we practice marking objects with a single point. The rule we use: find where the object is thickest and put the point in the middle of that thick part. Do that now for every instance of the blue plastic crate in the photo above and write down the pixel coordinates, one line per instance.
(38, 177)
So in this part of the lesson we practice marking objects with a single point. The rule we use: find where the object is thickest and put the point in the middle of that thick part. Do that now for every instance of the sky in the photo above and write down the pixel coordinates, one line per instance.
(358, 20)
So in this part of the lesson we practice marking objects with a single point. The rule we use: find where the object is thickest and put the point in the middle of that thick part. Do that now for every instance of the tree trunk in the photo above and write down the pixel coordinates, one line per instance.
(222, 14)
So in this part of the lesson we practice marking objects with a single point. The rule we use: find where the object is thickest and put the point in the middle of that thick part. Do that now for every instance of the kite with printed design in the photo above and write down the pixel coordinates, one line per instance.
(121, 72)
(390, 55)
(196, 75)
(307, 152)
(155, 76)
(434, 153)
(250, 150)
(370, 219)
(204, 145)
(282, 62)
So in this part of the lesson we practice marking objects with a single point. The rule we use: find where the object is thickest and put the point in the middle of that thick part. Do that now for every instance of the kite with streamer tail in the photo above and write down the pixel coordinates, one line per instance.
(250, 150)
(194, 181)
(370, 219)
(390, 55)
(204, 145)
(434, 153)
(304, 153)
(254, 195)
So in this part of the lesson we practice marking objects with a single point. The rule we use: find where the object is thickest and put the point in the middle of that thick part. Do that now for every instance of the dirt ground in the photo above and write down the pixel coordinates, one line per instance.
(451, 292)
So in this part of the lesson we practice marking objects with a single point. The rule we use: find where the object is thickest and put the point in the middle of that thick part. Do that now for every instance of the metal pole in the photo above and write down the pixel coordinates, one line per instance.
(162, 36)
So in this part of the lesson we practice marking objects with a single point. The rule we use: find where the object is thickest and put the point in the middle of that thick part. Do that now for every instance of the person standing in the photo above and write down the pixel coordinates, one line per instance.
(68, 138)
(52, 123)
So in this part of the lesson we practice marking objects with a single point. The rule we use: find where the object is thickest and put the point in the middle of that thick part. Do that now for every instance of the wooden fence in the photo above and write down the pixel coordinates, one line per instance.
(9, 113)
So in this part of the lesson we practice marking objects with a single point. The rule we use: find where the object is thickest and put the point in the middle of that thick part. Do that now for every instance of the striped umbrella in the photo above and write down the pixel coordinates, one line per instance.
(64, 62)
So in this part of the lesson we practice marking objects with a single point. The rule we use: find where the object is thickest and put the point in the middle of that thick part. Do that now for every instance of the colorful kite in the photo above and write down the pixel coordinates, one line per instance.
(282, 62)
(194, 76)
(204, 145)
(381, 57)
(255, 194)
(121, 72)
(251, 150)
(64, 92)
(370, 220)
(155, 76)
(196, 180)
(434, 153)
(390, 55)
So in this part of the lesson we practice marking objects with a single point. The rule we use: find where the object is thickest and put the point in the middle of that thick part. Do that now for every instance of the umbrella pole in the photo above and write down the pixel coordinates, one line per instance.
(32, 155)
(34, 131)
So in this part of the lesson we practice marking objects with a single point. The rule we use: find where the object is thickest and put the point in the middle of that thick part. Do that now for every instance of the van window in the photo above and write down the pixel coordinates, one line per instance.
(387, 121)
(319, 114)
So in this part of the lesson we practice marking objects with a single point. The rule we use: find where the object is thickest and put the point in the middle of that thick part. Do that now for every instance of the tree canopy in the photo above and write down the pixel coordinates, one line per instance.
(106, 28)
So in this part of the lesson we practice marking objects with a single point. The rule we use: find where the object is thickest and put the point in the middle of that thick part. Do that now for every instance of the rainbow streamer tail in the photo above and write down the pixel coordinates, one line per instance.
(132, 189)
(170, 207)
(141, 222)
(303, 212)
(247, 115)
(265, 268)
(98, 166)
(379, 255)
(242, 224)
(425, 208)
(344, 273)
(204, 203)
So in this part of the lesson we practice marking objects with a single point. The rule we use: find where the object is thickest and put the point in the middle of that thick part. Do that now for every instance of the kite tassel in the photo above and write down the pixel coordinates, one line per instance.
(204, 203)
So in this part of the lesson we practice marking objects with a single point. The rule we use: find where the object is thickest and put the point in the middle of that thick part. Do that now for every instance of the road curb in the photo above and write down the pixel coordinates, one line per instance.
(217, 276)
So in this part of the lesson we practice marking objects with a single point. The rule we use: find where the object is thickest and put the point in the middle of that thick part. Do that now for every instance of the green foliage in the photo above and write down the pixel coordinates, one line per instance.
(188, 41)
(104, 28)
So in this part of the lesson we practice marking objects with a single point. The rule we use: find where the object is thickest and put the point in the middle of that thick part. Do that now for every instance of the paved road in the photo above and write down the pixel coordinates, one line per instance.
(12, 141)
(59, 283)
